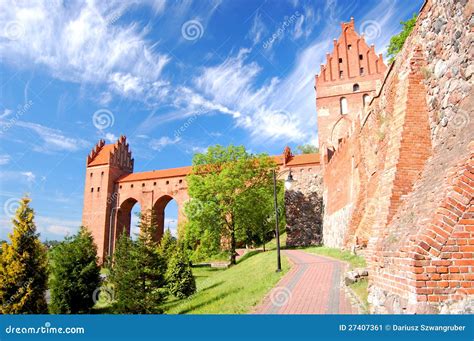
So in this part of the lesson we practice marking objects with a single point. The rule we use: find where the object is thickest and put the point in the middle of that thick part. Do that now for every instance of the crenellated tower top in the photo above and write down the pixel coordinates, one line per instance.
(117, 155)
(351, 59)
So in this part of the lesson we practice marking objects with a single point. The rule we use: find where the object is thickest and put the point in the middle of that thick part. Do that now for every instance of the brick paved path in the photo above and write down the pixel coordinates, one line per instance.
(312, 286)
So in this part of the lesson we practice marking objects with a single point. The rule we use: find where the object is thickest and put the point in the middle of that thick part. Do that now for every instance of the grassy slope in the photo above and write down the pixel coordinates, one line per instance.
(232, 291)
(346, 256)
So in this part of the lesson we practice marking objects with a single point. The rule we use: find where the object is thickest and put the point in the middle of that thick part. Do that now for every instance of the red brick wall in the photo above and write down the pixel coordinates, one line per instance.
(404, 176)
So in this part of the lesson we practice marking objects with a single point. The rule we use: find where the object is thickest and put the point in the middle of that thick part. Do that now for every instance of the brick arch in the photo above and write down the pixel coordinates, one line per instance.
(340, 130)
(159, 209)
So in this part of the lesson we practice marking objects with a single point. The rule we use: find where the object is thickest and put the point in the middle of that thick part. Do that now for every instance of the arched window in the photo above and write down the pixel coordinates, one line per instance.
(343, 102)
(355, 87)
(365, 100)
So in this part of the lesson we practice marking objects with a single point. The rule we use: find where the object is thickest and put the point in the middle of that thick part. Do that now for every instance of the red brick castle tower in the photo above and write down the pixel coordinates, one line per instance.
(345, 86)
(105, 164)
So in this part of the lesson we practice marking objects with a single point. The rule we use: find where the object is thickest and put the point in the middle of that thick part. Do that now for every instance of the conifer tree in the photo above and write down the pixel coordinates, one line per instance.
(179, 276)
(75, 274)
(138, 271)
(23, 267)
(167, 246)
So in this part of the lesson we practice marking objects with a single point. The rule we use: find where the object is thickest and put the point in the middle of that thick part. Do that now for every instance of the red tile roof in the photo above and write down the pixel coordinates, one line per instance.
(296, 160)
(157, 174)
(102, 158)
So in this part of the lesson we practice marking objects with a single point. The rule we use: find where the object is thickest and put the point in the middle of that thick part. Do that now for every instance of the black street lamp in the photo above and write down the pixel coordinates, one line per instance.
(288, 183)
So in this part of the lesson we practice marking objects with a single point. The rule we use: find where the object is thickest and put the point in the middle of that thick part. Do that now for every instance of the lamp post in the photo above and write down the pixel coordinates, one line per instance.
(288, 182)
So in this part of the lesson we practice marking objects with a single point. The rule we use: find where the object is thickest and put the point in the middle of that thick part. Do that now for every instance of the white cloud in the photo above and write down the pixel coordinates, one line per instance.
(111, 137)
(4, 159)
(79, 43)
(53, 140)
(5, 114)
(58, 227)
(306, 22)
(29, 176)
(258, 29)
(162, 142)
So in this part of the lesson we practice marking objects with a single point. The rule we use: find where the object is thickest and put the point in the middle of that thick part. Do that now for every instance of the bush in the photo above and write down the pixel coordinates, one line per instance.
(179, 276)
(75, 274)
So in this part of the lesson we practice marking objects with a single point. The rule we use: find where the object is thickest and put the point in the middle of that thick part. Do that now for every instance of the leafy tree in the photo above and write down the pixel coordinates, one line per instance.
(138, 271)
(220, 178)
(259, 223)
(167, 246)
(397, 41)
(179, 276)
(75, 274)
(307, 149)
(23, 267)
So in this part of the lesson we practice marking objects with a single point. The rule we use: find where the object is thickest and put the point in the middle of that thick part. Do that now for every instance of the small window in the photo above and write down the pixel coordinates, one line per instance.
(340, 60)
(102, 173)
(349, 46)
(131, 186)
(91, 175)
(343, 104)
(98, 189)
(341, 74)
(143, 184)
(180, 181)
(154, 184)
(361, 71)
(365, 100)
(355, 87)
(361, 57)
(92, 189)
(167, 182)
(120, 186)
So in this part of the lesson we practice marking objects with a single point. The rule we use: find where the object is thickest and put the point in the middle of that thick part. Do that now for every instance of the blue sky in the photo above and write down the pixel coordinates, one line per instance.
(174, 77)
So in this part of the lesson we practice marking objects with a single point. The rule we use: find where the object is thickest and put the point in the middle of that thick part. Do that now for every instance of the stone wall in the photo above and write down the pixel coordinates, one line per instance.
(304, 208)
(408, 171)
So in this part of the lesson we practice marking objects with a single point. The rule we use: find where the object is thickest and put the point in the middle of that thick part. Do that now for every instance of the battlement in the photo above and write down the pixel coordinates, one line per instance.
(117, 154)
(351, 59)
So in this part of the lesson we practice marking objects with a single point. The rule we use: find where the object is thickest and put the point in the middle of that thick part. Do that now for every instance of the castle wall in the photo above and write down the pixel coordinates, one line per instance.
(408, 172)
(304, 207)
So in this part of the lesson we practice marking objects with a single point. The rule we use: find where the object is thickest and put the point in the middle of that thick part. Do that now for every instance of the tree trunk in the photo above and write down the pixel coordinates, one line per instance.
(232, 245)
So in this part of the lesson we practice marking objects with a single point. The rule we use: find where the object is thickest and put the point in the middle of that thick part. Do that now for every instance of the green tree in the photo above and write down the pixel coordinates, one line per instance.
(307, 149)
(138, 271)
(75, 274)
(23, 267)
(179, 276)
(397, 41)
(220, 178)
(167, 246)
(258, 225)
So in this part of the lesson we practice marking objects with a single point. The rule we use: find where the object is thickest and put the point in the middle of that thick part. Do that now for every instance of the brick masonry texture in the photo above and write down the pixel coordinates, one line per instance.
(400, 184)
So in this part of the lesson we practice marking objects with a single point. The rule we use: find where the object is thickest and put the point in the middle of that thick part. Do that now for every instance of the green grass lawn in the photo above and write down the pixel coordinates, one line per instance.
(236, 290)
(346, 256)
